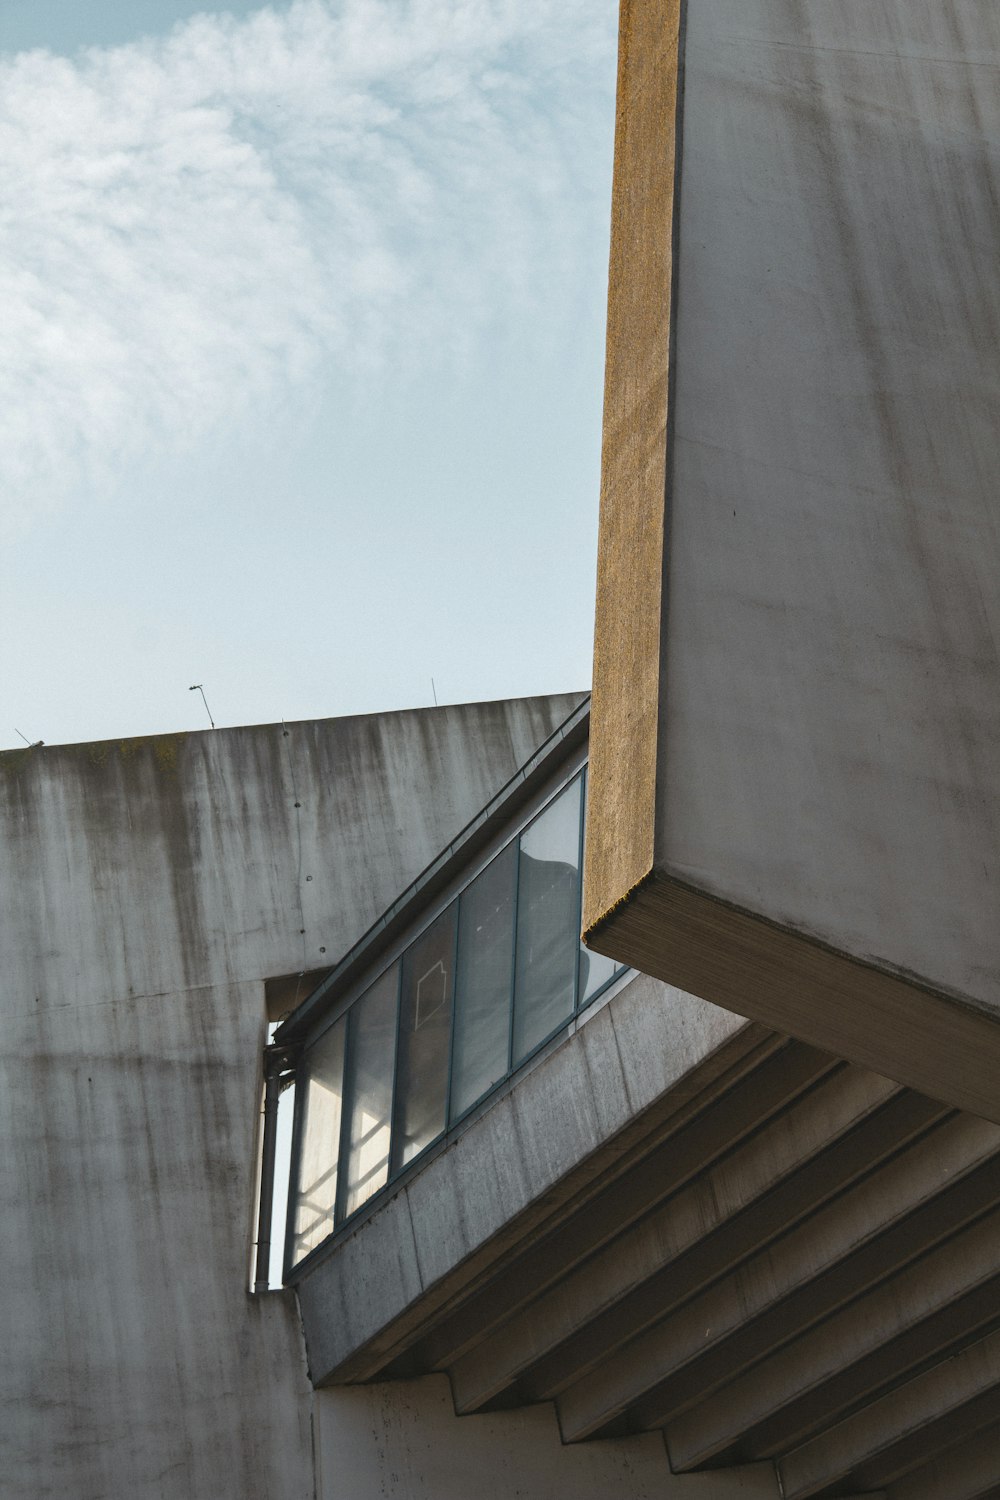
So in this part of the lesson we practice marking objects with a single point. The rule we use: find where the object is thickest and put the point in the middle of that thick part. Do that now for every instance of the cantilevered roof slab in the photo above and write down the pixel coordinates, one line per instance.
(795, 742)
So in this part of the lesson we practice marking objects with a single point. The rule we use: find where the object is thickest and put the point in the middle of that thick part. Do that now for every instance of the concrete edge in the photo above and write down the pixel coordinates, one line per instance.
(937, 1043)
(624, 724)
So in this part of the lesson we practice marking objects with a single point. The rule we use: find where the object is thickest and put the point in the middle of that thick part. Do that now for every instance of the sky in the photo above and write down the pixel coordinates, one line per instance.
(301, 353)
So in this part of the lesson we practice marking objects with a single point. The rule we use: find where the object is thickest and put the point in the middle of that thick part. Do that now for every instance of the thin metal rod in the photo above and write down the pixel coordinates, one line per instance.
(196, 687)
(272, 1088)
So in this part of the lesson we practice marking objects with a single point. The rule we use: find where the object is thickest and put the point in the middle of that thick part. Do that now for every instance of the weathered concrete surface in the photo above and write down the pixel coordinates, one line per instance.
(247, 836)
(828, 743)
(148, 888)
(135, 1363)
(624, 711)
(650, 1049)
(403, 1439)
(675, 1223)
(831, 746)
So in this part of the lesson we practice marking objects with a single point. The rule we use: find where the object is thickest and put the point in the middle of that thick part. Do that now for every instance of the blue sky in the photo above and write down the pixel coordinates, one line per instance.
(301, 356)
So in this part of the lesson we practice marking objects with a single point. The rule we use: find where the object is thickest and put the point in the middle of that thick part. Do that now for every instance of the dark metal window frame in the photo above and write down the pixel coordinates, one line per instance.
(341, 1006)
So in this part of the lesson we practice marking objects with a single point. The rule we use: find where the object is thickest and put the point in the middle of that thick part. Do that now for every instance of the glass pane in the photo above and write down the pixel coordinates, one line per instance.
(548, 921)
(595, 971)
(424, 1032)
(371, 1051)
(280, 1207)
(482, 989)
(320, 1140)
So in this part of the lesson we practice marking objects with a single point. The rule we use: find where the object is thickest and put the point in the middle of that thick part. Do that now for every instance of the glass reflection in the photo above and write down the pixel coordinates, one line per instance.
(482, 992)
(595, 972)
(320, 1141)
(548, 922)
(510, 940)
(371, 1046)
(424, 1033)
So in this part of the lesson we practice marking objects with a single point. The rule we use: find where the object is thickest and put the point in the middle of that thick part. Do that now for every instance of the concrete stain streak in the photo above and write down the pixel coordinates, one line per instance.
(156, 885)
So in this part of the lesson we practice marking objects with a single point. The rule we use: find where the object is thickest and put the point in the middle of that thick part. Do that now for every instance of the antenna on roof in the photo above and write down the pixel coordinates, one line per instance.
(435, 692)
(32, 744)
(197, 688)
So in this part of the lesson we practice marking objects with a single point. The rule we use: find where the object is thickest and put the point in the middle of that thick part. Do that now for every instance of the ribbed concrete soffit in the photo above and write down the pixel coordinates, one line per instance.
(795, 737)
(783, 1262)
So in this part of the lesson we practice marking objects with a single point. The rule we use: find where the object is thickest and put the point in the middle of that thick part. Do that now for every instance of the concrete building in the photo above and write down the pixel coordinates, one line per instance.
(796, 730)
(556, 1227)
(149, 889)
(709, 1207)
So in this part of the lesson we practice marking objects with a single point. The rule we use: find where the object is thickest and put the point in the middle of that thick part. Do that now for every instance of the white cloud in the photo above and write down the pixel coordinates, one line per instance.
(190, 225)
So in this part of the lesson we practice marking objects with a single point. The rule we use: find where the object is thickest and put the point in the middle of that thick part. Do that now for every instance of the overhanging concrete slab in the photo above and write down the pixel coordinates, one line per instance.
(795, 740)
(565, 1130)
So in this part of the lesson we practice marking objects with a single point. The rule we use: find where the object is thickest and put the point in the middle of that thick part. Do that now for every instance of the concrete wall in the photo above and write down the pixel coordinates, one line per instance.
(148, 888)
(830, 739)
(200, 858)
(404, 1440)
(795, 735)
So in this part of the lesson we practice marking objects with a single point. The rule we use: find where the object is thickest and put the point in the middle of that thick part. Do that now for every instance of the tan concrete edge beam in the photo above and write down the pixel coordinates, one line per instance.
(940, 1045)
(623, 739)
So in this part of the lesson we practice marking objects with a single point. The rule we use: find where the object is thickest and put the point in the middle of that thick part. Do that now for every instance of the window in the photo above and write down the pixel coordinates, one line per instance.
(424, 1038)
(371, 1046)
(483, 985)
(319, 1152)
(488, 981)
(548, 921)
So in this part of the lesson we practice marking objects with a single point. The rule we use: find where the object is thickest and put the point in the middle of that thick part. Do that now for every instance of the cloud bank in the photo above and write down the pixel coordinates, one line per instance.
(191, 225)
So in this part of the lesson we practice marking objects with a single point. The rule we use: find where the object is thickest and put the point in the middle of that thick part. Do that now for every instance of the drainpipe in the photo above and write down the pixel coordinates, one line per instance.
(277, 1065)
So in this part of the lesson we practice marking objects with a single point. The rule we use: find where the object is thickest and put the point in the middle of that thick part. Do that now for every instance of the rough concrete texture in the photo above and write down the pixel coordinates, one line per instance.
(150, 886)
(135, 1362)
(623, 741)
(403, 1439)
(830, 735)
(825, 820)
(246, 836)
(650, 1048)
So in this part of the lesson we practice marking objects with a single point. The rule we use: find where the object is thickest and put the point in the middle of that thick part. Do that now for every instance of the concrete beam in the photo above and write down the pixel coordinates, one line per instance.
(636, 1279)
(773, 1076)
(623, 742)
(829, 1259)
(723, 1248)
(925, 1312)
(970, 1470)
(514, 1174)
(795, 743)
(908, 1426)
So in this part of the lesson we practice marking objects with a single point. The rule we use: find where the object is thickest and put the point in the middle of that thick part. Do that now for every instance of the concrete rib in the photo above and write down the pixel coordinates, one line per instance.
(770, 1088)
(854, 1243)
(719, 1203)
(876, 1444)
(936, 1305)
(969, 1470)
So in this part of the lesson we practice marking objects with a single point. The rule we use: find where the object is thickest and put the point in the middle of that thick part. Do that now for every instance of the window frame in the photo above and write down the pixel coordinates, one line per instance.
(508, 833)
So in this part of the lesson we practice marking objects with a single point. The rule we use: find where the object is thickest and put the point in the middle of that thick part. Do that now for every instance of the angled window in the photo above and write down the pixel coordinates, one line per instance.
(548, 921)
(322, 1086)
(483, 990)
(488, 981)
(371, 1049)
(424, 1035)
